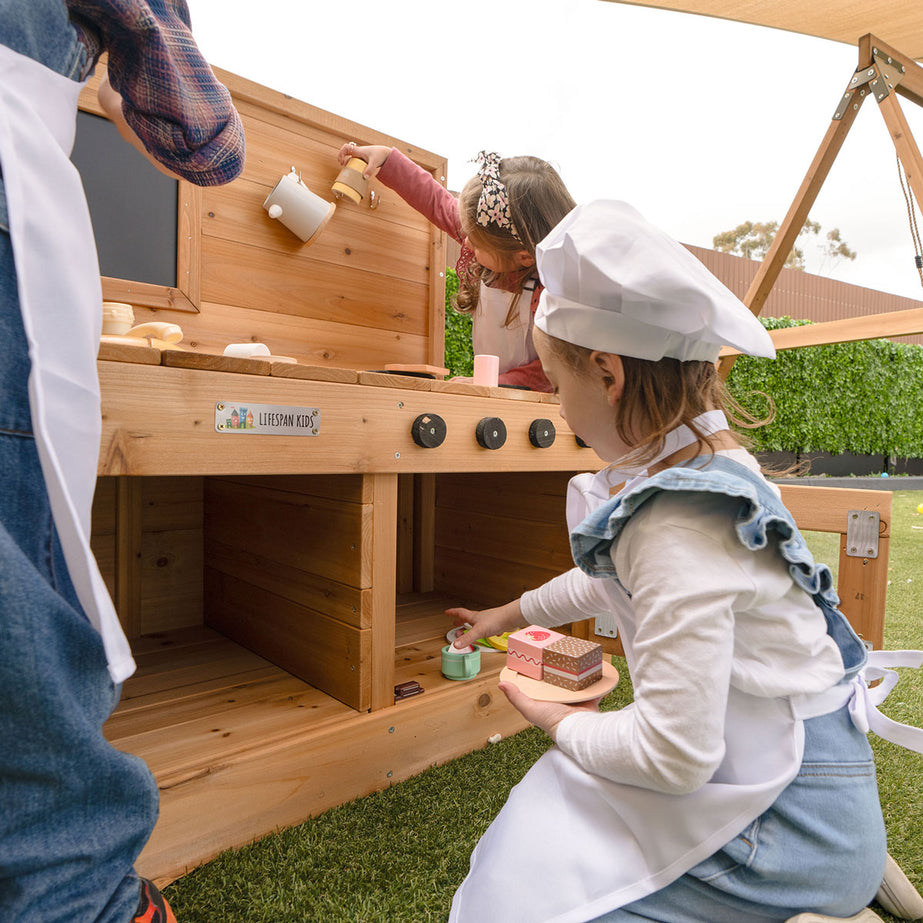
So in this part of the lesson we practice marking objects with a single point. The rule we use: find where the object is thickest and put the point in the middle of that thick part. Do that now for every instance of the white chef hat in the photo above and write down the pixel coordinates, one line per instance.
(616, 283)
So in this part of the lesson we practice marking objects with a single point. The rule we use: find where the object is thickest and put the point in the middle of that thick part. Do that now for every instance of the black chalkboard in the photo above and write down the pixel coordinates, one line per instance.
(133, 205)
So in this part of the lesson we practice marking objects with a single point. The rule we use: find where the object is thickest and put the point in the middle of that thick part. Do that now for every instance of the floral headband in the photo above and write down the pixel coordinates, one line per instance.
(494, 203)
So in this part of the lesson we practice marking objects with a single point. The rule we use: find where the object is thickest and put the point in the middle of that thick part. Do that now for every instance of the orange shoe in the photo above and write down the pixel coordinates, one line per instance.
(152, 908)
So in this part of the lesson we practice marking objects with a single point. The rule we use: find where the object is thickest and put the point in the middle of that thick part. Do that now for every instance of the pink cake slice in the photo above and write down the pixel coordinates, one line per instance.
(525, 649)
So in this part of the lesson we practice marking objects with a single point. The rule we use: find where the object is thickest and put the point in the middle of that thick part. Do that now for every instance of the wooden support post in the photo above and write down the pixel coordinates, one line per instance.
(845, 330)
(904, 144)
(864, 605)
(128, 555)
(911, 85)
(405, 533)
(424, 532)
(384, 565)
(791, 226)
(874, 56)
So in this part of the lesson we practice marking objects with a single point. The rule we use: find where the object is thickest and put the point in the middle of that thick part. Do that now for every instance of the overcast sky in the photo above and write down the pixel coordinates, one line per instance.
(701, 124)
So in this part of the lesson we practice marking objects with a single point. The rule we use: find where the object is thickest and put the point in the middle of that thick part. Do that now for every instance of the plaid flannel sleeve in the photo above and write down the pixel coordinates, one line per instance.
(171, 99)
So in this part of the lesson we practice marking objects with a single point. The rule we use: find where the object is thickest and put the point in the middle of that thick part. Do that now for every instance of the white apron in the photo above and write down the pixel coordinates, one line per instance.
(489, 336)
(61, 303)
(623, 842)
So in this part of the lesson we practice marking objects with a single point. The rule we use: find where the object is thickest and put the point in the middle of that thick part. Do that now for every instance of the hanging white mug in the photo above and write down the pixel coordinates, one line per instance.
(300, 210)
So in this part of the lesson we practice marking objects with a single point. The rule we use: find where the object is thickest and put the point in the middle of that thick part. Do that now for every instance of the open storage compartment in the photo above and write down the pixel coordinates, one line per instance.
(272, 616)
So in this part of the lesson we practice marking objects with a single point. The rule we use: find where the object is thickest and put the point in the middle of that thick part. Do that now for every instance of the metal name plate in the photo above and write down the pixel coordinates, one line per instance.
(239, 417)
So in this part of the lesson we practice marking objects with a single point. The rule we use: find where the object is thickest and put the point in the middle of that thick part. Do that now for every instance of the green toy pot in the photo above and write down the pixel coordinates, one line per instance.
(459, 664)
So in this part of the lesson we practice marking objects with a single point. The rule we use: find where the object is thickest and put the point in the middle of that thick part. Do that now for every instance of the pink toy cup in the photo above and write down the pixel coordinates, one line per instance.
(486, 370)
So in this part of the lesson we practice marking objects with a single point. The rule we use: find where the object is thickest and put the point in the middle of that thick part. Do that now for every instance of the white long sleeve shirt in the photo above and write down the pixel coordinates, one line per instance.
(710, 614)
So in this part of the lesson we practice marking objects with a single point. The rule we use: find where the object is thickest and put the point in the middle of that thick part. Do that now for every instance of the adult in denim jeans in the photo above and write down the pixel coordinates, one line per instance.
(74, 812)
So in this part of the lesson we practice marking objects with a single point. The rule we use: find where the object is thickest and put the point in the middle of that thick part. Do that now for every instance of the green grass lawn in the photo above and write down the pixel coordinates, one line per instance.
(398, 855)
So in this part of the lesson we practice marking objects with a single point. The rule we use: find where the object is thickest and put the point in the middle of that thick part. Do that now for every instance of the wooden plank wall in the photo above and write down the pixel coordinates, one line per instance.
(288, 574)
(147, 537)
(499, 534)
(370, 289)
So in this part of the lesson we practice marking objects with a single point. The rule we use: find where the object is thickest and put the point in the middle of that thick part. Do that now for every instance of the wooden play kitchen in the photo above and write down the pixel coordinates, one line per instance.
(282, 538)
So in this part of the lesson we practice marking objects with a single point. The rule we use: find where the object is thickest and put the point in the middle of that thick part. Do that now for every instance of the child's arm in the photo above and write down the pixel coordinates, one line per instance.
(569, 596)
(412, 183)
(374, 156)
(486, 622)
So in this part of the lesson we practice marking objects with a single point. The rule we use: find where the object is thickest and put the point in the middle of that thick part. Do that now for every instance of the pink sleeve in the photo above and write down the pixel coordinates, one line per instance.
(420, 191)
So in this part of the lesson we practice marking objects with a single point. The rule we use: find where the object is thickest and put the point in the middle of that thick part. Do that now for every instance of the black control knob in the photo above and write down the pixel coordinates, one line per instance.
(428, 430)
(490, 433)
(541, 433)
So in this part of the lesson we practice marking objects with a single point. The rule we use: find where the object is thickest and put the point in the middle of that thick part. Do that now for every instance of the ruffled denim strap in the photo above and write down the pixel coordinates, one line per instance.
(761, 519)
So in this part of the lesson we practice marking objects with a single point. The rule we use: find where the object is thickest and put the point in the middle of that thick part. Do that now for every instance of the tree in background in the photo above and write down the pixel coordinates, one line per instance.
(753, 240)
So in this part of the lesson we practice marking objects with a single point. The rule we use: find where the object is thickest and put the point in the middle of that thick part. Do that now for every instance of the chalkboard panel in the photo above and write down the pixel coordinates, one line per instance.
(133, 205)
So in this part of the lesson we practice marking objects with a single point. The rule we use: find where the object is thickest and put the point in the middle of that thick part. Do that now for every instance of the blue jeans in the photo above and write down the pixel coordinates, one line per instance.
(820, 847)
(74, 812)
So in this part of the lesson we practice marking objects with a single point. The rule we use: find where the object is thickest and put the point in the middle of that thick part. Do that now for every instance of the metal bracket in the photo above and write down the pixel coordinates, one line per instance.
(882, 76)
(890, 74)
(862, 527)
(847, 99)
(604, 626)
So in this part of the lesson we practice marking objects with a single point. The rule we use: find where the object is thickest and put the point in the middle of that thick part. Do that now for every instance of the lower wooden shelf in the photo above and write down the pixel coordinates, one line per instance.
(241, 748)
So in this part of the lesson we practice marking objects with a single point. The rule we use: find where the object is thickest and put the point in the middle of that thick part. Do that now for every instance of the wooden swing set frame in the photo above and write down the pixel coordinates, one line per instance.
(883, 74)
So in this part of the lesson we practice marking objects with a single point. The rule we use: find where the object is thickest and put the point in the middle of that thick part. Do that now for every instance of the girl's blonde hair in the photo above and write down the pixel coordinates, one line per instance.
(538, 200)
(660, 395)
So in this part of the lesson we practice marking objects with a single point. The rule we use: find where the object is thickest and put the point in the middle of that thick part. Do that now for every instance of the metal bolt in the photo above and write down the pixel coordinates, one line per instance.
(391, 729)
(397, 454)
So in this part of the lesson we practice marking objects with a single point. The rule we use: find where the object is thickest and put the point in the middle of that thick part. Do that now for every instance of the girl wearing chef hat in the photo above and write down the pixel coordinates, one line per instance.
(739, 784)
(502, 213)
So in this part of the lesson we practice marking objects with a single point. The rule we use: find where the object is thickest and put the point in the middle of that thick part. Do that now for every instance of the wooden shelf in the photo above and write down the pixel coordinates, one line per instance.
(199, 700)
(240, 748)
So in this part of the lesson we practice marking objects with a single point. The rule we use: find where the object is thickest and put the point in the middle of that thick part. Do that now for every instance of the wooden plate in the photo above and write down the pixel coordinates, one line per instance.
(546, 692)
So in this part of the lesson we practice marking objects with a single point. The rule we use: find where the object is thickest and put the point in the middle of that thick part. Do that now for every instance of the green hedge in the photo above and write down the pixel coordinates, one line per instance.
(865, 398)
(459, 354)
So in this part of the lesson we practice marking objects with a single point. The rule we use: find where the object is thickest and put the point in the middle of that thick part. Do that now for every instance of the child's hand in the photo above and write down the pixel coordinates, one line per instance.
(486, 622)
(544, 715)
(373, 154)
